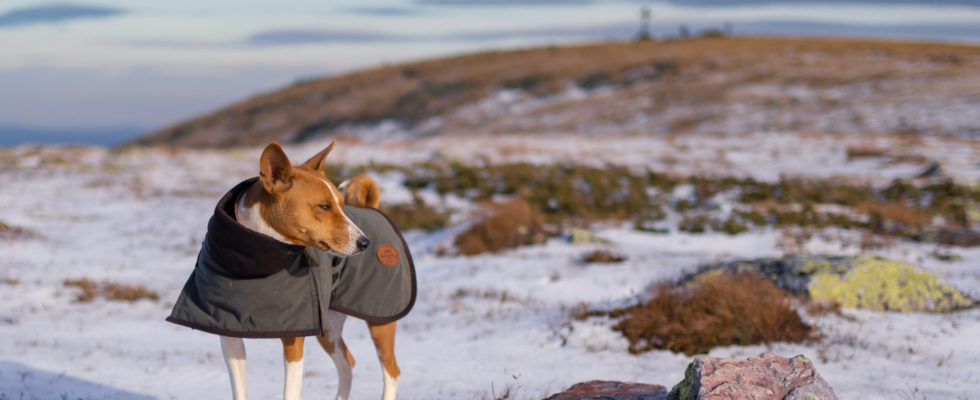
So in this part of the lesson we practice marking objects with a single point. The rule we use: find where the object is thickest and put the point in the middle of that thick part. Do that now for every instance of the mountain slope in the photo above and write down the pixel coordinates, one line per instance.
(657, 87)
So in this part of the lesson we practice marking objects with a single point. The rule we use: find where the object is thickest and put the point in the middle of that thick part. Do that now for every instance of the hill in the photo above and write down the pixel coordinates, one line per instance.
(714, 85)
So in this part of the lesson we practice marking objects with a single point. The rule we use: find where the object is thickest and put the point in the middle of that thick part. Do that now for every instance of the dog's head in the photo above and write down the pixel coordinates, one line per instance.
(304, 206)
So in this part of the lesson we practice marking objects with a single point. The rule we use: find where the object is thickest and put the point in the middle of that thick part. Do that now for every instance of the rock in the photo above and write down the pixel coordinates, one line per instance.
(612, 390)
(791, 274)
(865, 281)
(766, 377)
(933, 170)
(878, 284)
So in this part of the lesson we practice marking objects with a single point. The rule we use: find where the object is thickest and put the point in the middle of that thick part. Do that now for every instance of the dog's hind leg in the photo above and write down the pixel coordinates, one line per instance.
(334, 344)
(233, 350)
(383, 336)
(292, 351)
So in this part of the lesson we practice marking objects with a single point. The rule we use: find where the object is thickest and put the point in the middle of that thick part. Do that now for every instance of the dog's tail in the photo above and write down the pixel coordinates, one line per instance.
(361, 191)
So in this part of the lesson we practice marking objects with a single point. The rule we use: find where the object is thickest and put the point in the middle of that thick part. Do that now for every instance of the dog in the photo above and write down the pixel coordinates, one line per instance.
(299, 205)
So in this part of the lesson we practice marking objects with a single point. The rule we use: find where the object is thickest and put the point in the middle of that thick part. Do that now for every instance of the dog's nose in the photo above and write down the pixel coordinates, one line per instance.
(363, 243)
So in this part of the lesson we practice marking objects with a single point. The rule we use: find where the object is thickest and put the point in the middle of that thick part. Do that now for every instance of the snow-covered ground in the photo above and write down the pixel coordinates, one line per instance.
(482, 325)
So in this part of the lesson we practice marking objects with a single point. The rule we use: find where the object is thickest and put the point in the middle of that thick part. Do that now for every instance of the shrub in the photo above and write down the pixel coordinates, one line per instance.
(506, 225)
(722, 310)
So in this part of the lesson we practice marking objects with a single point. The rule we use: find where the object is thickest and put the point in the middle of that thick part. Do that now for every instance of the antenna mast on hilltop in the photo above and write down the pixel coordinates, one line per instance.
(644, 24)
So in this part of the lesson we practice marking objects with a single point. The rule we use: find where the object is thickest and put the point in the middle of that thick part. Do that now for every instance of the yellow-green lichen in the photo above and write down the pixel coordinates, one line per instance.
(883, 285)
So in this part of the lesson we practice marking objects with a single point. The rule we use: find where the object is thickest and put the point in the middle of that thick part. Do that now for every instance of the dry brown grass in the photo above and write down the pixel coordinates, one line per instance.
(895, 212)
(127, 292)
(865, 151)
(506, 225)
(91, 290)
(603, 256)
(724, 310)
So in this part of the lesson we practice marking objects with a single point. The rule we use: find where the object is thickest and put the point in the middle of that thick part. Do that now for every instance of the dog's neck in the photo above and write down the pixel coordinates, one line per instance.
(248, 213)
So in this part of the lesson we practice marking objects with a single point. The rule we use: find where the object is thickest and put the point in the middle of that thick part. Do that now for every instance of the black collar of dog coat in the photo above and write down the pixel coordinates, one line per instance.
(241, 251)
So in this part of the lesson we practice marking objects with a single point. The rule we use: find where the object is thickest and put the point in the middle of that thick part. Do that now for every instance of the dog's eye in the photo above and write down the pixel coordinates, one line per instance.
(325, 207)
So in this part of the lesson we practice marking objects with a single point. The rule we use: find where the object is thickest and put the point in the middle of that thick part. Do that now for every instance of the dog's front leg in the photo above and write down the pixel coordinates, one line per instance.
(332, 341)
(292, 351)
(233, 350)
(383, 336)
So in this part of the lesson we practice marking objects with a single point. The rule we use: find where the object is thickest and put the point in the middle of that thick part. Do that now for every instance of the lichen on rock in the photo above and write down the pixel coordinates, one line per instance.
(884, 285)
(864, 281)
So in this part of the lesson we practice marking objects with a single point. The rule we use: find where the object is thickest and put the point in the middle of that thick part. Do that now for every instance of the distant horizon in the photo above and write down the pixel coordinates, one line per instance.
(73, 71)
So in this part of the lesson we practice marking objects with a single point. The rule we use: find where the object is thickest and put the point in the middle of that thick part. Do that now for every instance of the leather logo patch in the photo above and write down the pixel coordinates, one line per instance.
(388, 255)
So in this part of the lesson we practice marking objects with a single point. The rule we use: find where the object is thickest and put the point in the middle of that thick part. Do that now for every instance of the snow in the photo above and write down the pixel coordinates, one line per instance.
(482, 325)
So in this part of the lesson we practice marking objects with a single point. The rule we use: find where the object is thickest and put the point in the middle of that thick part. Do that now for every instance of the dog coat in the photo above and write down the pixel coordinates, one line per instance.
(247, 284)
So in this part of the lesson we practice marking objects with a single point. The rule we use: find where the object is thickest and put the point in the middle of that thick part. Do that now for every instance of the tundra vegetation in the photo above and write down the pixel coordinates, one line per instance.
(932, 210)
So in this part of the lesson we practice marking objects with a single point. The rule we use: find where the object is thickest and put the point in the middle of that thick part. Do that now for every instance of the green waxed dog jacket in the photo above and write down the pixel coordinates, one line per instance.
(246, 284)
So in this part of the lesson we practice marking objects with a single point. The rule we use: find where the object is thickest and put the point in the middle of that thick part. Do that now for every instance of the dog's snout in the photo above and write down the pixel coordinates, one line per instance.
(363, 243)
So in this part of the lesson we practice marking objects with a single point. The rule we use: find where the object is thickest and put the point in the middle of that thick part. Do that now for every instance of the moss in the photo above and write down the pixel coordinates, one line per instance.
(693, 223)
(731, 226)
(883, 285)
(682, 390)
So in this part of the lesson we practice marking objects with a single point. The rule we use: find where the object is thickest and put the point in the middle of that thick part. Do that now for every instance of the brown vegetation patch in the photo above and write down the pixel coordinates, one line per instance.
(895, 212)
(90, 290)
(417, 215)
(506, 225)
(723, 310)
(603, 256)
(865, 151)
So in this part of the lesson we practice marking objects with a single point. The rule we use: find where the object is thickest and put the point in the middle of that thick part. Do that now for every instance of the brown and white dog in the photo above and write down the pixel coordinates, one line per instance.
(298, 205)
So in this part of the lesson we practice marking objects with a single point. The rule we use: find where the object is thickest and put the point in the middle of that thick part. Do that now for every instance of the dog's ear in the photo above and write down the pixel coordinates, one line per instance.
(274, 170)
(316, 162)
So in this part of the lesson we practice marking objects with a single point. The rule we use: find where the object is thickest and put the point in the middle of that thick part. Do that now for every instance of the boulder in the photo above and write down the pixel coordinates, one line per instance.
(612, 390)
(863, 281)
(766, 377)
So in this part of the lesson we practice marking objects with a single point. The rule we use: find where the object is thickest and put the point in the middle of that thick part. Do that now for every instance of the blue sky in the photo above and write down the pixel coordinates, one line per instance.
(134, 66)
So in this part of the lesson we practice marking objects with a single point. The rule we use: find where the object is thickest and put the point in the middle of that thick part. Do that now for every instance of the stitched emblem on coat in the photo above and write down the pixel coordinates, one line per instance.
(388, 255)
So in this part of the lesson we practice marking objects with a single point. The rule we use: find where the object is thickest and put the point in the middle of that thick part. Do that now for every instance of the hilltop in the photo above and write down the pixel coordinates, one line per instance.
(705, 85)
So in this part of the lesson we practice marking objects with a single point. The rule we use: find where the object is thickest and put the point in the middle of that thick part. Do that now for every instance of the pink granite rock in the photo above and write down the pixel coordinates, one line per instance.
(765, 377)
(611, 390)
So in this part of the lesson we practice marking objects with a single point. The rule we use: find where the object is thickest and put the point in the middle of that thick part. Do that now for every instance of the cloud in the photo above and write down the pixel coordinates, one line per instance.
(384, 11)
(504, 3)
(54, 13)
(303, 36)
(811, 2)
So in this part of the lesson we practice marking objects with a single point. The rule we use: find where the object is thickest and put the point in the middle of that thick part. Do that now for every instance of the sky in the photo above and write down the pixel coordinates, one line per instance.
(104, 70)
